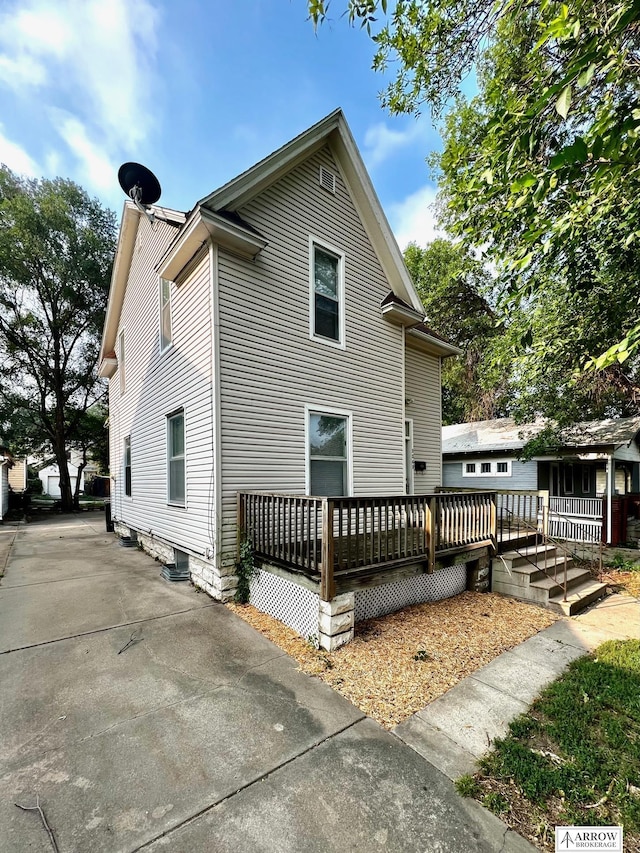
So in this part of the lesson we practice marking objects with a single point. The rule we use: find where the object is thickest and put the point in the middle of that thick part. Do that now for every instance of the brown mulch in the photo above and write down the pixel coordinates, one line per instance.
(399, 663)
(629, 581)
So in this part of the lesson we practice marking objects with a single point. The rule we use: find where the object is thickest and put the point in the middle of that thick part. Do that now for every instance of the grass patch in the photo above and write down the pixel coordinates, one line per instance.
(575, 757)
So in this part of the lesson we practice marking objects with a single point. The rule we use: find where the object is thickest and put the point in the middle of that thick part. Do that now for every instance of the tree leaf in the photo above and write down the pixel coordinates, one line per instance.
(564, 102)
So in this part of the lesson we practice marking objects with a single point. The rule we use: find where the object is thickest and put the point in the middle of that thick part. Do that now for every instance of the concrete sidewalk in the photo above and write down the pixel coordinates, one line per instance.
(201, 735)
(459, 727)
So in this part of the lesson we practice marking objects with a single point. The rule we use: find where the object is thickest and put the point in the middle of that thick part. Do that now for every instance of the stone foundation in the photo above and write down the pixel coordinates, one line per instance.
(336, 620)
(478, 575)
(218, 583)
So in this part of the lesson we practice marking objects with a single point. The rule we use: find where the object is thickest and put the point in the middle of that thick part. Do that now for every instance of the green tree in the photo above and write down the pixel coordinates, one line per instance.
(56, 251)
(456, 289)
(542, 167)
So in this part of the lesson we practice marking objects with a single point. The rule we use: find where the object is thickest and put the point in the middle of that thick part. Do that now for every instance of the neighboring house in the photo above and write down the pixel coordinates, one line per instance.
(18, 475)
(49, 473)
(270, 340)
(594, 460)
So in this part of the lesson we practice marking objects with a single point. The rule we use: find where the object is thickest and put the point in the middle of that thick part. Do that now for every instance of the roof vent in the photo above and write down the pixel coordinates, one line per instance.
(327, 179)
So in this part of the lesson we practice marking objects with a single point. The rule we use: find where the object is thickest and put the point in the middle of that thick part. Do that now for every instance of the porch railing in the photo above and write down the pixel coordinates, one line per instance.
(326, 537)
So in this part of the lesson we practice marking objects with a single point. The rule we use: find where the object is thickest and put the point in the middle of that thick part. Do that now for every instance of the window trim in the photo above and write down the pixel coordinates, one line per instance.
(571, 489)
(493, 472)
(315, 242)
(169, 458)
(321, 409)
(127, 453)
(169, 345)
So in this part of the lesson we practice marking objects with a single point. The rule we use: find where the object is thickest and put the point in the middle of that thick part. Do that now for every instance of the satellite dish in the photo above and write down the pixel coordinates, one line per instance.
(141, 185)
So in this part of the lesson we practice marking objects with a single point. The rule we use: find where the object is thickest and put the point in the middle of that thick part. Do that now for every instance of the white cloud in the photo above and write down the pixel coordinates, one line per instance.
(95, 60)
(380, 141)
(414, 219)
(97, 167)
(16, 158)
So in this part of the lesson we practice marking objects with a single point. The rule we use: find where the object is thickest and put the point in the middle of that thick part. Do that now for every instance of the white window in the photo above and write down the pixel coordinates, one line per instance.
(127, 465)
(176, 490)
(328, 453)
(487, 469)
(165, 314)
(326, 294)
(586, 480)
(121, 361)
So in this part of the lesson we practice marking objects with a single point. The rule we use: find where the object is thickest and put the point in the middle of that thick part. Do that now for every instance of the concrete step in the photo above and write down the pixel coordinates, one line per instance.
(522, 556)
(553, 586)
(578, 598)
(525, 574)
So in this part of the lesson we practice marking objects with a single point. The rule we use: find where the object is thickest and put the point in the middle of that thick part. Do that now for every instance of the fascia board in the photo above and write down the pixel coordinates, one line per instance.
(433, 345)
(373, 217)
(241, 189)
(401, 315)
(121, 267)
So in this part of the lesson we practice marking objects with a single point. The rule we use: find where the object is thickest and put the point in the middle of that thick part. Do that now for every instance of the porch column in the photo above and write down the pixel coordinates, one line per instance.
(611, 482)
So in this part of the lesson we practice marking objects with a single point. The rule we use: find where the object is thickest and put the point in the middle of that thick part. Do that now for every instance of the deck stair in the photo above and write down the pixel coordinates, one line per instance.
(535, 573)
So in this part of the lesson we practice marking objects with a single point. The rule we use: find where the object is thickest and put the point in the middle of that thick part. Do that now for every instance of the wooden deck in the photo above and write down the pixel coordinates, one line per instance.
(342, 542)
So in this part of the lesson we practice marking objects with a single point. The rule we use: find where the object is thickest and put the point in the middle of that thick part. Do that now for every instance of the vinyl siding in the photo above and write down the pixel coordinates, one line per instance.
(157, 385)
(422, 383)
(269, 367)
(524, 475)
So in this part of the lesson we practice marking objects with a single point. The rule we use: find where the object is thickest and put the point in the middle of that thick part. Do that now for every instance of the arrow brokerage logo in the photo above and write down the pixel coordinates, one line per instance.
(597, 839)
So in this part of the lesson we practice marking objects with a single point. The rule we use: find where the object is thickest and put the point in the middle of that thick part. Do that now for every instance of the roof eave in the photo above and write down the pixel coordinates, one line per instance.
(433, 344)
(204, 225)
(122, 264)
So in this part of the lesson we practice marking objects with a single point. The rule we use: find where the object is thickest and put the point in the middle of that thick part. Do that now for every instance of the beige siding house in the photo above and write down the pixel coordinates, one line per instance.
(270, 341)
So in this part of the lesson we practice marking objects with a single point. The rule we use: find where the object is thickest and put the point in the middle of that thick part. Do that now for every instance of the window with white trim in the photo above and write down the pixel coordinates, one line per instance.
(328, 451)
(487, 468)
(327, 294)
(176, 490)
(127, 466)
(165, 314)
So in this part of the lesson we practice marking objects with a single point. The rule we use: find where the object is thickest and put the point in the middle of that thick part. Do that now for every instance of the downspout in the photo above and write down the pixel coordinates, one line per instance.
(215, 401)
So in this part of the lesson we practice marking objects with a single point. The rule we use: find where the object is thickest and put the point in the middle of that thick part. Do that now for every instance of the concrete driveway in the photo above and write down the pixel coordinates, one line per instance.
(200, 736)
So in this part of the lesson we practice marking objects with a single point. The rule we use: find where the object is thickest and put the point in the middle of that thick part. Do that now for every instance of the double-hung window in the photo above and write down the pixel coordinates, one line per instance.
(127, 466)
(165, 314)
(176, 490)
(327, 294)
(328, 450)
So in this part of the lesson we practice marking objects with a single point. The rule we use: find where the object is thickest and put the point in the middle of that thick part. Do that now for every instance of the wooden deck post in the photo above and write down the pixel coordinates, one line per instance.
(545, 512)
(327, 580)
(494, 523)
(432, 517)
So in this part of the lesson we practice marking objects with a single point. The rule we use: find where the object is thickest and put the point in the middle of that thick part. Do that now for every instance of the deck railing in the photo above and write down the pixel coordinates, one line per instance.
(329, 537)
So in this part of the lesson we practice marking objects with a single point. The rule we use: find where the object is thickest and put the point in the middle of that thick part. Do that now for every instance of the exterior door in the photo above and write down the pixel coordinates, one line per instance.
(408, 456)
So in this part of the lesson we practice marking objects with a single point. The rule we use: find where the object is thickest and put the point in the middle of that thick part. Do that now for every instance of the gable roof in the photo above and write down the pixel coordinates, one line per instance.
(334, 131)
(216, 215)
(503, 434)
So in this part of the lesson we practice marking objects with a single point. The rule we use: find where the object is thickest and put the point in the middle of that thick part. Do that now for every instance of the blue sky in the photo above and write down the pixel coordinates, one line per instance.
(198, 90)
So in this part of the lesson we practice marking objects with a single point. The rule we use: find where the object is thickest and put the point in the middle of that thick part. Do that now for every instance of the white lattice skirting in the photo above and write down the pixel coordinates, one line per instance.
(285, 600)
(389, 597)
